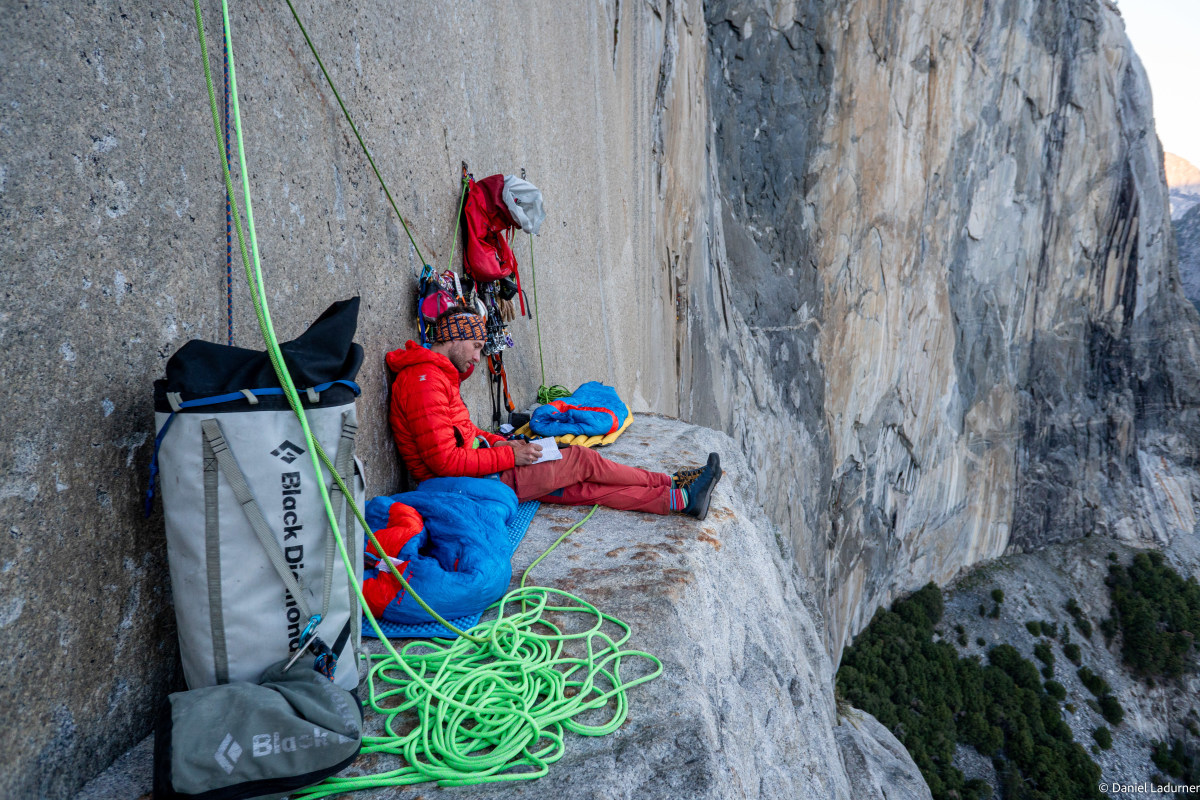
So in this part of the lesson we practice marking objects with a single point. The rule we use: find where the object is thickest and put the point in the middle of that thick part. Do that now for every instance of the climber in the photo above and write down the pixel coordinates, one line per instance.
(436, 438)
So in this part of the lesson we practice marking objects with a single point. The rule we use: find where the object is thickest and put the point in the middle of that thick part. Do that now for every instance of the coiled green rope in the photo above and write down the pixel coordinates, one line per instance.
(485, 703)
(526, 687)
(516, 695)
(545, 394)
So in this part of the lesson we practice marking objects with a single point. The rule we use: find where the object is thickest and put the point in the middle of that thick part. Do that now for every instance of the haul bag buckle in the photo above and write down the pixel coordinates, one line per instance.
(306, 640)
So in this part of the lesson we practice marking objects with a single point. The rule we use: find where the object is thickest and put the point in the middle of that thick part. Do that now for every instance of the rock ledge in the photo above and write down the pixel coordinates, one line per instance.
(745, 705)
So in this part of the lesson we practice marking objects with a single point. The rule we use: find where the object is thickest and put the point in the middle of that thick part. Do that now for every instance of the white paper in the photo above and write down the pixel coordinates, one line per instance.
(550, 451)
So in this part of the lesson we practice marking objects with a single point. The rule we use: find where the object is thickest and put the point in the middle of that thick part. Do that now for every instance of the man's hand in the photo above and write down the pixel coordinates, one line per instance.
(525, 452)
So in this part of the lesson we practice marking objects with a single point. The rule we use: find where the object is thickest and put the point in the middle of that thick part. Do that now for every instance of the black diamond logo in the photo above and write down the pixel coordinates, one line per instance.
(228, 753)
(288, 452)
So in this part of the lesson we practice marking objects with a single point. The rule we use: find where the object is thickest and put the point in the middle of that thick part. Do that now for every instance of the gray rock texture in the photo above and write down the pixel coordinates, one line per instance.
(914, 258)
(112, 224)
(744, 707)
(876, 762)
(1187, 243)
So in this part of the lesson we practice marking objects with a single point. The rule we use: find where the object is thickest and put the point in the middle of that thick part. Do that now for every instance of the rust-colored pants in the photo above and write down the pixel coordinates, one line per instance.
(582, 478)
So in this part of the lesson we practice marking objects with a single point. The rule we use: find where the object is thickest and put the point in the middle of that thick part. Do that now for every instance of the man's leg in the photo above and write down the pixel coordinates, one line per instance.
(587, 477)
(654, 499)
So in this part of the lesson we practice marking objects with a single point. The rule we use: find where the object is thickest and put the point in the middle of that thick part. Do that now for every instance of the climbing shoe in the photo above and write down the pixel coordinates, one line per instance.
(684, 478)
(700, 487)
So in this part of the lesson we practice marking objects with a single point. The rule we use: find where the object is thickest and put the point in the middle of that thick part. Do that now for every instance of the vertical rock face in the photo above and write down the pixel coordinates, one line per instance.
(754, 366)
(112, 226)
(958, 215)
(1187, 242)
(1183, 180)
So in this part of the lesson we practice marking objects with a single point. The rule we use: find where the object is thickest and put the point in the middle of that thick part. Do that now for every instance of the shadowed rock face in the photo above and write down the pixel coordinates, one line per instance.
(977, 269)
(1187, 240)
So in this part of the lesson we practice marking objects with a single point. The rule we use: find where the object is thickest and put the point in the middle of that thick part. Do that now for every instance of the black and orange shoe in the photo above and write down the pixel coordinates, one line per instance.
(684, 478)
(699, 485)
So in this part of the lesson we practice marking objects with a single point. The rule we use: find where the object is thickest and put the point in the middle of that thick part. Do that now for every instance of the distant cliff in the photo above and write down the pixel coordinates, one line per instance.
(1187, 242)
(914, 258)
(1183, 181)
(937, 306)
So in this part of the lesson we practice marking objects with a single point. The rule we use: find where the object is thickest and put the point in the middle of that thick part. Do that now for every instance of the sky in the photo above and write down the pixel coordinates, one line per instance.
(1166, 37)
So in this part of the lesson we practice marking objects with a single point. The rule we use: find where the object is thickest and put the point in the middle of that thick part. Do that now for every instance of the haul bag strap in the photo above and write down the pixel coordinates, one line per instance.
(229, 397)
(249, 395)
(212, 561)
(241, 490)
(343, 637)
(343, 462)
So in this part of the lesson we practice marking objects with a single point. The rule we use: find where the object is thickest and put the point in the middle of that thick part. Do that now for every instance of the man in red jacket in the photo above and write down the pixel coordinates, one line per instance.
(435, 437)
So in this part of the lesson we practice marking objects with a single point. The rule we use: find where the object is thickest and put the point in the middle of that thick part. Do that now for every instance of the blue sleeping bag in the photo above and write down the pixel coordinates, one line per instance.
(459, 562)
(593, 410)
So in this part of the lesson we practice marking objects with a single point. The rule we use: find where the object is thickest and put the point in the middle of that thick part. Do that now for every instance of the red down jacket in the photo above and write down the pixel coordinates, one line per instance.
(430, 422)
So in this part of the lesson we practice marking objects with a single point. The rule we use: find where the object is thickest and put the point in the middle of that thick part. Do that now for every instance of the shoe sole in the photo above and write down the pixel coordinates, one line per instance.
(714, 461)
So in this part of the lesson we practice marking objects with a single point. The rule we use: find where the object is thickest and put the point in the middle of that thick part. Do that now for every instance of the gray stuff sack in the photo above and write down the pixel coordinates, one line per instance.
(242, 740)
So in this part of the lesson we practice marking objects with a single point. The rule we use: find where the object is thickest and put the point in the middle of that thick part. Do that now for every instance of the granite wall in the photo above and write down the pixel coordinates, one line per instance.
(112, 224)
(939, 307)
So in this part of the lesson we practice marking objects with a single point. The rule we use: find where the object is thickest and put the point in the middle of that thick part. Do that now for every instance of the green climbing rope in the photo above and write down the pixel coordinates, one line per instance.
(485, 703)
(516, 697)
(462, 199)
(528, 686)
(544, 393)
(357, 135)
(557, 542)
(258, 296)
(537, 314)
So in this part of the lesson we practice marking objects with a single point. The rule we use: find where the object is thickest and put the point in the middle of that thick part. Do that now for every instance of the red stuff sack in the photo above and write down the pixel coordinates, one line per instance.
(487, 254)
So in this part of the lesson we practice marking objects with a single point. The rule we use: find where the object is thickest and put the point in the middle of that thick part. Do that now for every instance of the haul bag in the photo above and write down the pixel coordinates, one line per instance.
(251, 554)
(240, 740)
(487, 255)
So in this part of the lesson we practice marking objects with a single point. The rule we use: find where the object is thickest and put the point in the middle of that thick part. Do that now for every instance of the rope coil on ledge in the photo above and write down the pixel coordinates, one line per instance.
(464, 713)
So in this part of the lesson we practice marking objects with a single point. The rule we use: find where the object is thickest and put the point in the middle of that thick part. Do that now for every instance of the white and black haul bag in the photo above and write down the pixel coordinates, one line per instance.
(254, 566)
